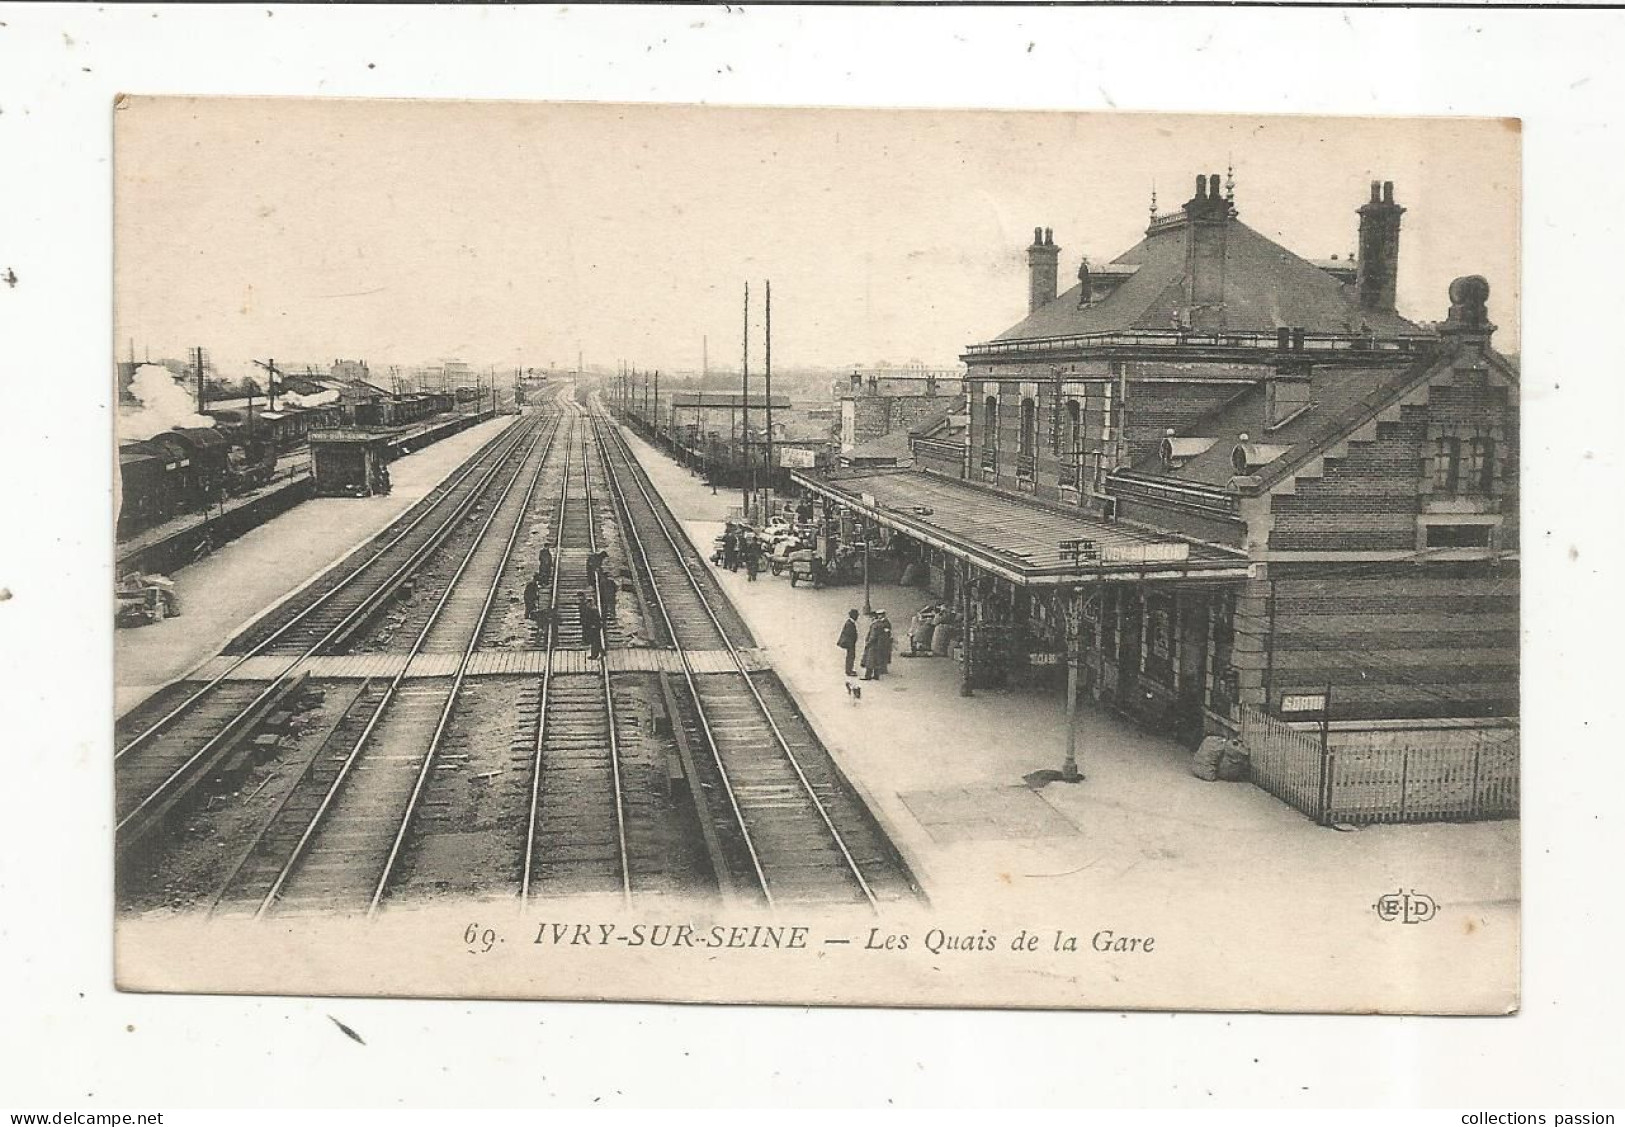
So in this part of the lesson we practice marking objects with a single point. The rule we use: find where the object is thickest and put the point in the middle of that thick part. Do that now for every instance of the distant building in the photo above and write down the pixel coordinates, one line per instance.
(874, 408)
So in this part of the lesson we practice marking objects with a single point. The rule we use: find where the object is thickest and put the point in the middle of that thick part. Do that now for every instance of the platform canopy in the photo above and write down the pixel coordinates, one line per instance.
(1026, 543)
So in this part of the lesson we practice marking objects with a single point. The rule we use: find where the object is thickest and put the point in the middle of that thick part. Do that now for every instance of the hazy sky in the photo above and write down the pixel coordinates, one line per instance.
(513, 233)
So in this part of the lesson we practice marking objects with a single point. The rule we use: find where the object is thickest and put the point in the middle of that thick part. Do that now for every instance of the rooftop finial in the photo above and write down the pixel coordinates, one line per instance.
(1153, 199)
(1230, 181)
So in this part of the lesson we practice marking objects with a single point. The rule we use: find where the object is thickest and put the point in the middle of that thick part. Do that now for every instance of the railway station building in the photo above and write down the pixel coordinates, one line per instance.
(1229, 483)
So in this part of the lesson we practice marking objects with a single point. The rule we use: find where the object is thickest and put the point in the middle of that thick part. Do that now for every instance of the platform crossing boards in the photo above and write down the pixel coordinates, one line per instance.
(483, 663)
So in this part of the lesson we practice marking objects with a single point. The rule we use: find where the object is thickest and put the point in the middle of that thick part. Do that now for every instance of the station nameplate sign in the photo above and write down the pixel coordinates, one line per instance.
(1304, 702)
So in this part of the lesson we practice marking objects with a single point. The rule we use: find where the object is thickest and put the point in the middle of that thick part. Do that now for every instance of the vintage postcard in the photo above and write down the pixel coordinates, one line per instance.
(856, 557)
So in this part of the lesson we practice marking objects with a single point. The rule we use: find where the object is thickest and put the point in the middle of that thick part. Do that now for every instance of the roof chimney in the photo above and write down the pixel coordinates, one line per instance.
(1377, 268)
(1207, 215)
(1043, 269)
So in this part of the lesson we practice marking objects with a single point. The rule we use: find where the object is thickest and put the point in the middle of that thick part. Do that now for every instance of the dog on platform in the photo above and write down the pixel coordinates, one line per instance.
(854, 691)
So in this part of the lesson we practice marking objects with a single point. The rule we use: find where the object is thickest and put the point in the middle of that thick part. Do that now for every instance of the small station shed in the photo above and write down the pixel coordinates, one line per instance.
(349, 462)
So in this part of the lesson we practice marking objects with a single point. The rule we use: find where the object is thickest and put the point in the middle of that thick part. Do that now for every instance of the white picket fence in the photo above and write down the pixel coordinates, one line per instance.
(1469, 781)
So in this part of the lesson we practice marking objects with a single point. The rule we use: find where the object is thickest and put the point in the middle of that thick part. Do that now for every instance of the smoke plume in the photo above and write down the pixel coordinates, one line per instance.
(164, 403)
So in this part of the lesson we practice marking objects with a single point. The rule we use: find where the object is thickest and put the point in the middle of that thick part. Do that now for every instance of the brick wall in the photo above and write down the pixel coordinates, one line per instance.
(1154, 407)
(1397, 641)
(1370, 498)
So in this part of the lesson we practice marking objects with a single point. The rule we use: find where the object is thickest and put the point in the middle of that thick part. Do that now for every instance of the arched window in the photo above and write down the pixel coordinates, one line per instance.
(1026, 451)
(1072, 461)
(990, 433)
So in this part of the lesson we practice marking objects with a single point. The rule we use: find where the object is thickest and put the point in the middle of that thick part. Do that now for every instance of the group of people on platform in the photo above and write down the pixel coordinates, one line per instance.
(741, 548)
(877, 645)
(538, 598)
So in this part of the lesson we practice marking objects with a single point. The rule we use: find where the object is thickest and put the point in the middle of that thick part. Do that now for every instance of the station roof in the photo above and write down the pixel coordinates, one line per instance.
(1019, 539)
(1266, 287)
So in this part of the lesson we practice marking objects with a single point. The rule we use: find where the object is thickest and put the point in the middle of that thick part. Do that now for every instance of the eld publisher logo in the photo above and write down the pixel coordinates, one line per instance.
(1405, 907)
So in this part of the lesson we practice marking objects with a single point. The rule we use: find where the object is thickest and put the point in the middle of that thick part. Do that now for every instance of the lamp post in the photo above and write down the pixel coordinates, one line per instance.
(965, 689)
(867, 609)
(1074, 657)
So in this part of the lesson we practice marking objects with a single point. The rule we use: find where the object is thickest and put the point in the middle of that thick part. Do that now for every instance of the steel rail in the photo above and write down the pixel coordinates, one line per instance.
(354, 755)
(603, 669)
(739, 662)
(365, 608)
(446, 490)
(547, 673)
(468, 653)
(688, 676)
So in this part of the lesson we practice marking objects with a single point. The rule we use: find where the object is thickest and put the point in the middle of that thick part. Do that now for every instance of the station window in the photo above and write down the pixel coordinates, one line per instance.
(1446, 464)
(1026, 452)
(1072, 464)
(1458, 535)
(1481, 465)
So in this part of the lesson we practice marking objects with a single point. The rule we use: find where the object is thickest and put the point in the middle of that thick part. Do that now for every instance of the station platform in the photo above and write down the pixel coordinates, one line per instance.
(156, 548)
(226, 590)
(1141, 845)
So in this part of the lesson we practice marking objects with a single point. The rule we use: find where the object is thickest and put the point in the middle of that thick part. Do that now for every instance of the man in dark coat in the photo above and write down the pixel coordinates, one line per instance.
(607, 590)
(592, 627)
(544, 564)
(730, 549)
(533, 594)
(849, 641)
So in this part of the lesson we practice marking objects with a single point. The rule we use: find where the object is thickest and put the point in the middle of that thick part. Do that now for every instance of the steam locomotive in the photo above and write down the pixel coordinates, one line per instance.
(188, 469)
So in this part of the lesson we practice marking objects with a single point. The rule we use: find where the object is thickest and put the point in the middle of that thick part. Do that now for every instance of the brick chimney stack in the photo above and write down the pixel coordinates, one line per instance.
(1377, 271)
(1208, 216)
(1043, 269)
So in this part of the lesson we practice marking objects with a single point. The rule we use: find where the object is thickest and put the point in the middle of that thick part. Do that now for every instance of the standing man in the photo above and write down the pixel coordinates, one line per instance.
(592, 627)
(607, 590)
(533, 592)
(730, 549)
(880, 660)
(849, 641)
(593, 560)
(753, 558)
(544, 565)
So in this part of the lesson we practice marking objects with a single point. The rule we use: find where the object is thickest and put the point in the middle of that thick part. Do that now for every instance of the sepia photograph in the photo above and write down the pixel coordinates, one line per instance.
(872, 557)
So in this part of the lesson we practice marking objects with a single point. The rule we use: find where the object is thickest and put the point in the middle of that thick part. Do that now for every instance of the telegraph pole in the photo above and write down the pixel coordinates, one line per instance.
(767, 491)
(202, 391)
(271, 374)
(744, 388)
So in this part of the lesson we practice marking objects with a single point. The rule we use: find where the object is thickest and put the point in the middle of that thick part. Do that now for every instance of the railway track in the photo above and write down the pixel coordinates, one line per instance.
(576, 827)
(441, 780)
(156, 766)
(782, 824)
(340, 834)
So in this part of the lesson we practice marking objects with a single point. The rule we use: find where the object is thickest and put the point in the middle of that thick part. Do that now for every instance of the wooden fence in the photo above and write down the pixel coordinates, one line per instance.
(1285, 761)
(1470, 781)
